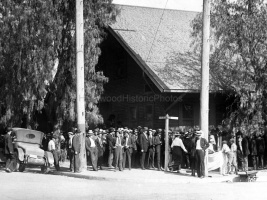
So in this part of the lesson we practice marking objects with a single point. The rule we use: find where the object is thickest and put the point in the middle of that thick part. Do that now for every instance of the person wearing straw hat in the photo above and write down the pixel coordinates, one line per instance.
(76, 146)
(177, 155)
(144, 146)
(70, 151)
(91, 147)
(201, 146)
(118, 144)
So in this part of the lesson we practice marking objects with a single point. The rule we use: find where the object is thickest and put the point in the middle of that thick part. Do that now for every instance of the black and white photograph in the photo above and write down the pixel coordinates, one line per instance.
(133, 99)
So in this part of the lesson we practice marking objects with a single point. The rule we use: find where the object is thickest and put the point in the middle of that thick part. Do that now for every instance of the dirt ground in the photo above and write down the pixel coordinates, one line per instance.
(37, 186)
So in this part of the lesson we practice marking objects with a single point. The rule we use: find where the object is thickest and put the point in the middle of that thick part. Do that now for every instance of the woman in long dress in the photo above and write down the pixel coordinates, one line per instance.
(177, 154)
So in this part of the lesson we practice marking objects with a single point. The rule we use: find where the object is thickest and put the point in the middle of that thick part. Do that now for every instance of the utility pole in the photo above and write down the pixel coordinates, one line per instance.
(80, 81)
(204, 95)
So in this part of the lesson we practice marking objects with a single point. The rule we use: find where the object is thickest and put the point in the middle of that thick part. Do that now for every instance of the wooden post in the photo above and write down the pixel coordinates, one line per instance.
(167, 117)
(204, 95)
(80, 81)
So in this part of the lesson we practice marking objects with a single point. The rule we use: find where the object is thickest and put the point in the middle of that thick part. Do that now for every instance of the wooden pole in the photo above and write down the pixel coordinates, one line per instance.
(166, 143)
(204, 95)
(80, 81)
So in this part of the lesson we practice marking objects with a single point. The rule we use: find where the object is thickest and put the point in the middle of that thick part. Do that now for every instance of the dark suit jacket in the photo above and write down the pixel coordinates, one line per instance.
(245, 147)
(203, 143)
(8, 145)
(130, 143)
(134, 139)
(99, 147)
(110, 141)
(144, 142)
(157, 143)
(76, 145)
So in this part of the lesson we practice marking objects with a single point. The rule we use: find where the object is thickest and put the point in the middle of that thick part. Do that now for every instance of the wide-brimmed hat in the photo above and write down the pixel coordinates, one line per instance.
(90, 133)
(177, 133)
(111, 130)
(199, 133)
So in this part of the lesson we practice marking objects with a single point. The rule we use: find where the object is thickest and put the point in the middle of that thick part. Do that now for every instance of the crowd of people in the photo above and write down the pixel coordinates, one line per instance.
(133, 148)
(120, 148)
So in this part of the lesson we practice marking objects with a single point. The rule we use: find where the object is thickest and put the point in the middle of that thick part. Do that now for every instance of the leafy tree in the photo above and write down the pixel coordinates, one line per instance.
(27, 58)
(238, 60)
(38, 58)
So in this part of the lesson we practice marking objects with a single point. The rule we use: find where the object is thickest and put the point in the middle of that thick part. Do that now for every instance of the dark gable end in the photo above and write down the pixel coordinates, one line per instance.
(160, 43)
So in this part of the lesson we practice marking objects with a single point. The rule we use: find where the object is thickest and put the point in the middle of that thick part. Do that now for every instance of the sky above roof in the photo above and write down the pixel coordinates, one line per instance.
(189, 5)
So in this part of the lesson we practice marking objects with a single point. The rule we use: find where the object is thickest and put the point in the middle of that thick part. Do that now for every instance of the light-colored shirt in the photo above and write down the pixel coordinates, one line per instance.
(92, 142)
(178, 142)
(225, 148)
(70, 142)
(198, 147)
(233, 147)
(118, 141)
(51, 145)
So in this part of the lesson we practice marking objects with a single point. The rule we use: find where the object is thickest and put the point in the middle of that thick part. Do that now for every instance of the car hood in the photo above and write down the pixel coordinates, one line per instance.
(31, 149)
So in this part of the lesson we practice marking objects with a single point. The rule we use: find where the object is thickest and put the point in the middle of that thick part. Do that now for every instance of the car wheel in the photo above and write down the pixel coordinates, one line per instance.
(22, 167)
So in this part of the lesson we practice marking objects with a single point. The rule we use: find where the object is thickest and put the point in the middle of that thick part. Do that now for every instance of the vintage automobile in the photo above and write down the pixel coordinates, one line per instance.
(27, 150)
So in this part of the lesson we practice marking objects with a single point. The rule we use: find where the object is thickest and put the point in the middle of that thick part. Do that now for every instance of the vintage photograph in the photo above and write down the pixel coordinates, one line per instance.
(133, 99)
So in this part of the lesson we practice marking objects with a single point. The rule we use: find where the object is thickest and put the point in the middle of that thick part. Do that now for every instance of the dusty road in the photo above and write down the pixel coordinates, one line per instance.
(35, 186)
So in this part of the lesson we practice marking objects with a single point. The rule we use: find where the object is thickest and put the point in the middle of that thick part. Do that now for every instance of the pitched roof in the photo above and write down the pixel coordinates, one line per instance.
(160, 42)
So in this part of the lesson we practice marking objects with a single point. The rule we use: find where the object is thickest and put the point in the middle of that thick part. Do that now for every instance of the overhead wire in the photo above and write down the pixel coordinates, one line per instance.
(157, 30)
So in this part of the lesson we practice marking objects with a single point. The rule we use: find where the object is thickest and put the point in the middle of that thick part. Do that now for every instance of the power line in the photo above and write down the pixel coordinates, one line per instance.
(157, 30)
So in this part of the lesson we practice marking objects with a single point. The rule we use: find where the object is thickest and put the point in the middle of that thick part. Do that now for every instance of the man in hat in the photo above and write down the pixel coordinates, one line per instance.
(188, 144)
(144, 146)
(52, 149)
(100, 149)
(9, 151)
(76, 146)
(91, 148)
(201, 145)
(134, 137)
(117, 145)
(110, 140)
(70, 151)
(157, 143)
(127, 149)
(151, 149)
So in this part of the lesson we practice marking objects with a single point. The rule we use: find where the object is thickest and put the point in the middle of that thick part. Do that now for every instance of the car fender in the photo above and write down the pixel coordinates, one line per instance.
(49, 157)
(20, 154)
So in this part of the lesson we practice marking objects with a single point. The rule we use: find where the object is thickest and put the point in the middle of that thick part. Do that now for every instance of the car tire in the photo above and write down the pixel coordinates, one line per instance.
(22, 167)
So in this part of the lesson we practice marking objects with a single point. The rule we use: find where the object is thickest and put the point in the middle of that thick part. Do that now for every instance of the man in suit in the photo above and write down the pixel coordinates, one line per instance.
(201, 146)
(157, 143)
(151, 149)
(100, 149)
(9, 151)
(76, 146)
(117, 145)
(128, 149)
(70, 151)
(133, 135)
(144, 146)
(192, 152)
(242, 150)
(91, 148)
(187, 143)
(110, 148)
